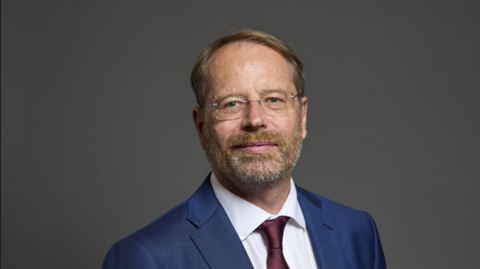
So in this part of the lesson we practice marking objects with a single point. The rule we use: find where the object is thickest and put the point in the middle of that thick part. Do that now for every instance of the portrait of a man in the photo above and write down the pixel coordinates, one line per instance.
(240, 134)
(251, 120)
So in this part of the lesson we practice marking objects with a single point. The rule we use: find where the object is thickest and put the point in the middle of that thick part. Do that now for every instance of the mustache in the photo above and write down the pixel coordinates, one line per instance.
(256, 137)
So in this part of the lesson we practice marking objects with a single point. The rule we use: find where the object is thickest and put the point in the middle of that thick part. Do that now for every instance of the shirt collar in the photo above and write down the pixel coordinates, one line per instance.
(246, 217)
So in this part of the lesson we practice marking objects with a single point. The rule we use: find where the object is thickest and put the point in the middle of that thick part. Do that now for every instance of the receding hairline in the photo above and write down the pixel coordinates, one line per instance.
(221, 54)
(198, 77)
(215, 56)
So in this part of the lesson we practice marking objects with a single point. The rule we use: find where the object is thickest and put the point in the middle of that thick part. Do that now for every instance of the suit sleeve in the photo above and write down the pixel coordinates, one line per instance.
(129, 254)
(379, 258)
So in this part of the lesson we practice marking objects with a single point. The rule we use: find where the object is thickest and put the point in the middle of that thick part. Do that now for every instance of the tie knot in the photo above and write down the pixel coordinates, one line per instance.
(273, 232)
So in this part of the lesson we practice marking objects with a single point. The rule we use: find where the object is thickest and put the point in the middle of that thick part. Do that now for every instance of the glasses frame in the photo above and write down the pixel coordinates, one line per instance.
(247, 102)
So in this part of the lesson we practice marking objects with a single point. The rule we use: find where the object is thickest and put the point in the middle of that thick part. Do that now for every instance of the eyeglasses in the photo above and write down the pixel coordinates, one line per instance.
(234, 107)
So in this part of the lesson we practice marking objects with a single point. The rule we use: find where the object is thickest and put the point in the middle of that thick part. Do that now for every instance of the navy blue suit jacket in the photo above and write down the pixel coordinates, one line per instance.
(199, 234)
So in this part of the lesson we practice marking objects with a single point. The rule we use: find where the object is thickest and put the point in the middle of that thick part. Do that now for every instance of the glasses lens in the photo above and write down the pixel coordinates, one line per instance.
(232, 107)
(276, 102)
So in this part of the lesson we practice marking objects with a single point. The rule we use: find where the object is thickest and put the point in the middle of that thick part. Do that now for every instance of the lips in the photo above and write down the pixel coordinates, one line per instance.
(256, 147)
(255, 144)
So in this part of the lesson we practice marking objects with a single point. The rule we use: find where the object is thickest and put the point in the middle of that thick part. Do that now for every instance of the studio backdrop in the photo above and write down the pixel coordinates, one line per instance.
(98, 138)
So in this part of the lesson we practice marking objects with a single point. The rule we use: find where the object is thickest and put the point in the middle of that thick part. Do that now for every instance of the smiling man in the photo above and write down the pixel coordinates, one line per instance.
(251, 120)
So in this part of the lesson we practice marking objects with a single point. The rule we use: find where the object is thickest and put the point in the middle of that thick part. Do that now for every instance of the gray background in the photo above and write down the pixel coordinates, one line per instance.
(97, 136)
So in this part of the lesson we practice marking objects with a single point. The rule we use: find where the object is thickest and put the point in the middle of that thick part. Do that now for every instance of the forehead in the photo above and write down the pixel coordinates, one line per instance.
(242, 67)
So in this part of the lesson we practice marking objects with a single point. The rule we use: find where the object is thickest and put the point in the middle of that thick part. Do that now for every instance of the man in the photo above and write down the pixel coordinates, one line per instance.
(251, 121)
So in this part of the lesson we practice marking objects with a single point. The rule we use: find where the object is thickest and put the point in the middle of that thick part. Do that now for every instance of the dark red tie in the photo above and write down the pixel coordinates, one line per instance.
(272, 231)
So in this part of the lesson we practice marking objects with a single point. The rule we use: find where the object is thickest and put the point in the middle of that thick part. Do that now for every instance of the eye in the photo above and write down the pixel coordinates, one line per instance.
(274, 100)
(231, 104)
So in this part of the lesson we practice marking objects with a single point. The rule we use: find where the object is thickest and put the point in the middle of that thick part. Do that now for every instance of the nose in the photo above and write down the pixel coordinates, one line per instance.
(254, 118)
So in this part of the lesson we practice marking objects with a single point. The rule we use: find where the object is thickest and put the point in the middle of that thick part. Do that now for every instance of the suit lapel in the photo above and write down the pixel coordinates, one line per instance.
(219, 244)
(215, 238)
(326, 243)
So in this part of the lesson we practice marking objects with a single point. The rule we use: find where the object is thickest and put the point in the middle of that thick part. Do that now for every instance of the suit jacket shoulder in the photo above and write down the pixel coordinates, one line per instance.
(194, 234)
(342, 237)
(199, 234)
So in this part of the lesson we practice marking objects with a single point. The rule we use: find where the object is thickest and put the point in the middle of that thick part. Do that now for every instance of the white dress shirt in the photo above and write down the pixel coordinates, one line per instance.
(246, 217)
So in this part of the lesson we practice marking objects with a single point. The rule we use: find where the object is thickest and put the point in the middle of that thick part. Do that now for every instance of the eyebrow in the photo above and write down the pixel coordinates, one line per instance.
(243, 95)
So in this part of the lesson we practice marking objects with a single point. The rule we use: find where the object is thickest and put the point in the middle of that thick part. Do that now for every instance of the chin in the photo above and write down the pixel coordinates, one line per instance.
(257, 174)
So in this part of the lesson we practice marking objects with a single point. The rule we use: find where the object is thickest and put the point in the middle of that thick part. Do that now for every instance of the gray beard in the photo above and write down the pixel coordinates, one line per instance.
(254, 172)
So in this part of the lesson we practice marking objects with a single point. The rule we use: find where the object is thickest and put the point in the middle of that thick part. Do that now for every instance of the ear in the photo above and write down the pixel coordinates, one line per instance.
(198, 121)
(303, 116)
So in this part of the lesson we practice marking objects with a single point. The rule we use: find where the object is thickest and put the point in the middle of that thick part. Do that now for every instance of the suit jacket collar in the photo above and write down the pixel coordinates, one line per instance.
(321, 228)
(215, 238)
(219, 244)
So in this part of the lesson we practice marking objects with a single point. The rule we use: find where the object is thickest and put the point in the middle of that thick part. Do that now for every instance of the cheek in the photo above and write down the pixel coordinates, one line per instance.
(223, 132)
(290, 128)
(286, 125)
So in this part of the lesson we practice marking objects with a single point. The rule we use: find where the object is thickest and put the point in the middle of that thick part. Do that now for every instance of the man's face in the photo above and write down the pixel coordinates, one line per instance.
(256, 149)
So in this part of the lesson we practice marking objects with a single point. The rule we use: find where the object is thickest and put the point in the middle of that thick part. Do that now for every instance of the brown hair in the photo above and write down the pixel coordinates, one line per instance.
(198, 77)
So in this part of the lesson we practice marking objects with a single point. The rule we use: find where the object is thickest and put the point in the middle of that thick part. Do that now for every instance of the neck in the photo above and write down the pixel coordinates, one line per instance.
(269, 198)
